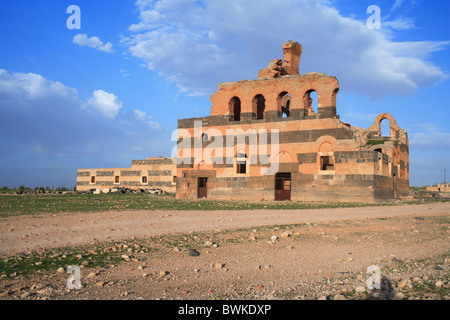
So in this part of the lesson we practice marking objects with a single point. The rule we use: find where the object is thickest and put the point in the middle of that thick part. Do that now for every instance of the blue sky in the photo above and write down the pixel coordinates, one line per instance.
(112, 91)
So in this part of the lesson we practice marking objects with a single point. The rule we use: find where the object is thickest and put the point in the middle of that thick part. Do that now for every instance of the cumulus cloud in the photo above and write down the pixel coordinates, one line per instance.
(93, 42)
(46, 117)
(200, 44)
(141, 115)
(106, 103)
(31, 86)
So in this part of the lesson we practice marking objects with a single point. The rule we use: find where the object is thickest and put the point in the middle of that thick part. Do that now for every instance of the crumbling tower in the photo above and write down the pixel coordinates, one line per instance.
(291, 58)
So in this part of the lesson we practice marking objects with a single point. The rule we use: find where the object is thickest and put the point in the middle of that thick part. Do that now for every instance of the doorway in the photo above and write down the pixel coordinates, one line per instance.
(283, 186)
(202, 190)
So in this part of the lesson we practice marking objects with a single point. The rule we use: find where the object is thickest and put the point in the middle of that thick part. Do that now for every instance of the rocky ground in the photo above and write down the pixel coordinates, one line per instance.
(312, 254)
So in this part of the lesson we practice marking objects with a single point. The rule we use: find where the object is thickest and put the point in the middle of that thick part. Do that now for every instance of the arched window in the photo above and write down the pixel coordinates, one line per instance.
(385, 128)
(235, 108)
(284, 103)
(311, 101)
(259, 105)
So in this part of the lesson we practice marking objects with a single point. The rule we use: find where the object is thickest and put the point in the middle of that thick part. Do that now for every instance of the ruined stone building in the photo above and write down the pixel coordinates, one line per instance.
(264, 140)
(441, 187)
(148, 174)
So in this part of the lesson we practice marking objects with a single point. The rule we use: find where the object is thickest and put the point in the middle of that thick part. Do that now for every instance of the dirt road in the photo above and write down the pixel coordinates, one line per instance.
(300, 254)
(24, 233)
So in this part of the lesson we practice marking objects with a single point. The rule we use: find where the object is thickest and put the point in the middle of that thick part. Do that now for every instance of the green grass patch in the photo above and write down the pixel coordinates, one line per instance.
(374, 142)
(50, 260)
(12, 205)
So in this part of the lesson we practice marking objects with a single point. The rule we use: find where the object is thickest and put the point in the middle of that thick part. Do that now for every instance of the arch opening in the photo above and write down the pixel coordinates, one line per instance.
(385, 128)
(311, 102)
(283, 104)
(235, 108)
(259, 105)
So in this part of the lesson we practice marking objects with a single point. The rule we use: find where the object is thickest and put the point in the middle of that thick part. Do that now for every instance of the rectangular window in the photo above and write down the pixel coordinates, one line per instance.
(174, 179)
(241, 167)
(93, 179)
(144, 179)
(117, 179)
(326, 163)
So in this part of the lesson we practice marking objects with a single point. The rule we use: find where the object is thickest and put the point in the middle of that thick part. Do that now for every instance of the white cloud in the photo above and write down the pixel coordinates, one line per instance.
(400, 24)
(141, 115)
(200, 44)
(106, 103)
(154, 125)
(148, 18)
(31, 86)
(124, 73)
(25, 88)
(93, 42)
(433, 138)
(397, 4)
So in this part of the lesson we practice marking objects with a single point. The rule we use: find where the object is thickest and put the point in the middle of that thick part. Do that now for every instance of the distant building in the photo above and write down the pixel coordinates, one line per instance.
(148, 174)
(440, 188)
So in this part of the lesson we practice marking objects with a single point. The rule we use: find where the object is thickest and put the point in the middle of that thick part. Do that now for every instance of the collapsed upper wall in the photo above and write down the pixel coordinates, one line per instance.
(281, 77)
(290, 65)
